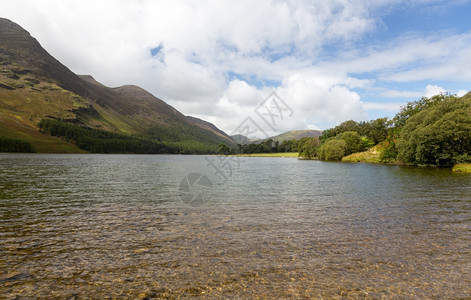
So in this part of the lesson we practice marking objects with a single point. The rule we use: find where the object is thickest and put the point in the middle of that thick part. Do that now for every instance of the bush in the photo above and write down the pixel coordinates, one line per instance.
(439, 135)
(389, 153)
(353, 142)
(333, 149)
(309, 147)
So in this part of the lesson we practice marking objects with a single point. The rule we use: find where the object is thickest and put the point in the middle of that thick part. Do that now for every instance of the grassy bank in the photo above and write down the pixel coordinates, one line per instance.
(282, 154)
(372, 155)
(464, 168)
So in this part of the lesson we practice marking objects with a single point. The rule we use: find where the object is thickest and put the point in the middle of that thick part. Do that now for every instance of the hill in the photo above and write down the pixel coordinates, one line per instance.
(296, 135)
(287, 136)
(242, 139)
(34, 85)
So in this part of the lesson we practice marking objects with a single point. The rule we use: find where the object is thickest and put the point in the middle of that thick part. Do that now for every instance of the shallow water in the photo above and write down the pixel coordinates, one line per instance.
(126, 226)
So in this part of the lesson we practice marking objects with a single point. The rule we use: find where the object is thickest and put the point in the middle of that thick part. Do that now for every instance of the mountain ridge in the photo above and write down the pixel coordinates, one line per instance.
(34, 85)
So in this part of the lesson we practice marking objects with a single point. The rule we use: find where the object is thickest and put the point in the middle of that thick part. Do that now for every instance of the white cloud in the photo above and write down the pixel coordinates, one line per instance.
(429, 91)
(444, 57)
(286, 44)
(312, 127)
(432, 90)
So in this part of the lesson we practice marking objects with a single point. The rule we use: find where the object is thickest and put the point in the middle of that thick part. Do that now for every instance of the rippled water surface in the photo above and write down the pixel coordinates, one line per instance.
(116, 226)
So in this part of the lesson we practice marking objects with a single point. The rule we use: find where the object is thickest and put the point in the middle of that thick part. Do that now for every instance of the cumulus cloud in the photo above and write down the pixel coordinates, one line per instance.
(321, 99)
(432, 90)
(219, 59)
(428, 91)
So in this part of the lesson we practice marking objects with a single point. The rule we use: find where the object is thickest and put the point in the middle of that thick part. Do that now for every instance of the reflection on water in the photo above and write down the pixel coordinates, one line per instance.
(114, 226)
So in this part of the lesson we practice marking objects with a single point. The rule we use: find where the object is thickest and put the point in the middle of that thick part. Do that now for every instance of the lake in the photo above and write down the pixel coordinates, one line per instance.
(154, 226)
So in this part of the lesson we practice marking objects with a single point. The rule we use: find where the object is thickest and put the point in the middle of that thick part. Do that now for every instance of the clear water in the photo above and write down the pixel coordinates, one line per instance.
(110, 226)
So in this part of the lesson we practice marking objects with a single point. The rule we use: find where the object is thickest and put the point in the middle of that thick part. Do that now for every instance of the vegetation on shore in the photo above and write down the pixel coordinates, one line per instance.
(269, 146)
(346, 139)
(439, 134)
(432, 131)
(372, 155)
(277, 154)
(463, 168)
(15, 145)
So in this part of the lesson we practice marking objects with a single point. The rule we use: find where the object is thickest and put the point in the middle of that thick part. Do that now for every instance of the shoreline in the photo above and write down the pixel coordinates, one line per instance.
(278, 154)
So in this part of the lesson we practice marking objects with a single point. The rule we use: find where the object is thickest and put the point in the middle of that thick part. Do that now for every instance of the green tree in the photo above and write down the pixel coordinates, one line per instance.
(366, 143)
(349, 125)
(353, 142)
(223, 149)
(267, 146)
(413, 108)
(285, 146)
(294, 146)
(389, 153)
(327, 134)
(309, 147)
(15, 145)
(375, 130)
(438, 135)
(333, 149)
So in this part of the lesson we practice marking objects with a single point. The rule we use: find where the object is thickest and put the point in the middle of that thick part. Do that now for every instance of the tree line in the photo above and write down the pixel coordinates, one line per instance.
(433, 131)
(101, 141)
(15, 145)
(266, 146)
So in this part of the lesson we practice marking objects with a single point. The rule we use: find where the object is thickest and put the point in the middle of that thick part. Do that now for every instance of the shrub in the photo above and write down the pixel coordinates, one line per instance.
(333, 149)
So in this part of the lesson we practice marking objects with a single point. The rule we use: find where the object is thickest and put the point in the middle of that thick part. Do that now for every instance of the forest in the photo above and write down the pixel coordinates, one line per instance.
(15, 145)
(266, 146)
(100, 141)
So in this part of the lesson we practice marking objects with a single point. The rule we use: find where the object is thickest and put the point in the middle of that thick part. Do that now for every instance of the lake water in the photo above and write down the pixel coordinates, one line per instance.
(137, 226)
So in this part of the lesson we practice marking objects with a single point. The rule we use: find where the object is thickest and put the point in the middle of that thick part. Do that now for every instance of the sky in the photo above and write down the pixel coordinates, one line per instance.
(327, 61)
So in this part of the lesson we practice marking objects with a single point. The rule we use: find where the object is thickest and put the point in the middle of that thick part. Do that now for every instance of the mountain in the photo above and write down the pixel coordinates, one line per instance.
(34, 85)
(296, 135)
(209, 126)
(289, 135)
(242, 139)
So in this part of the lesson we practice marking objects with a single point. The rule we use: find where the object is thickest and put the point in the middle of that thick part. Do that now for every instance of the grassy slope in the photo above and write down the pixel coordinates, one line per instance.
(24, 106)
(26, 98)
(42, 143)
(371, 155)
(463, 168)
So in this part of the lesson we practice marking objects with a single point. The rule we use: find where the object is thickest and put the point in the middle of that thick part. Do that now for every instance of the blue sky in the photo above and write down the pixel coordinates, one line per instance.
(329, 60)
(434, 20)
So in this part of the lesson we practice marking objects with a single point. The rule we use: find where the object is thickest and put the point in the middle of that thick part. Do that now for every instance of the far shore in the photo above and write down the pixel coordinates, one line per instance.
(279, 154)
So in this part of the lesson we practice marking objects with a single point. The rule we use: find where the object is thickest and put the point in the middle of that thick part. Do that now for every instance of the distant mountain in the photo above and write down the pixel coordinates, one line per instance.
(34, 85)
(242, 139)
(289, 135)
(296, 135)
